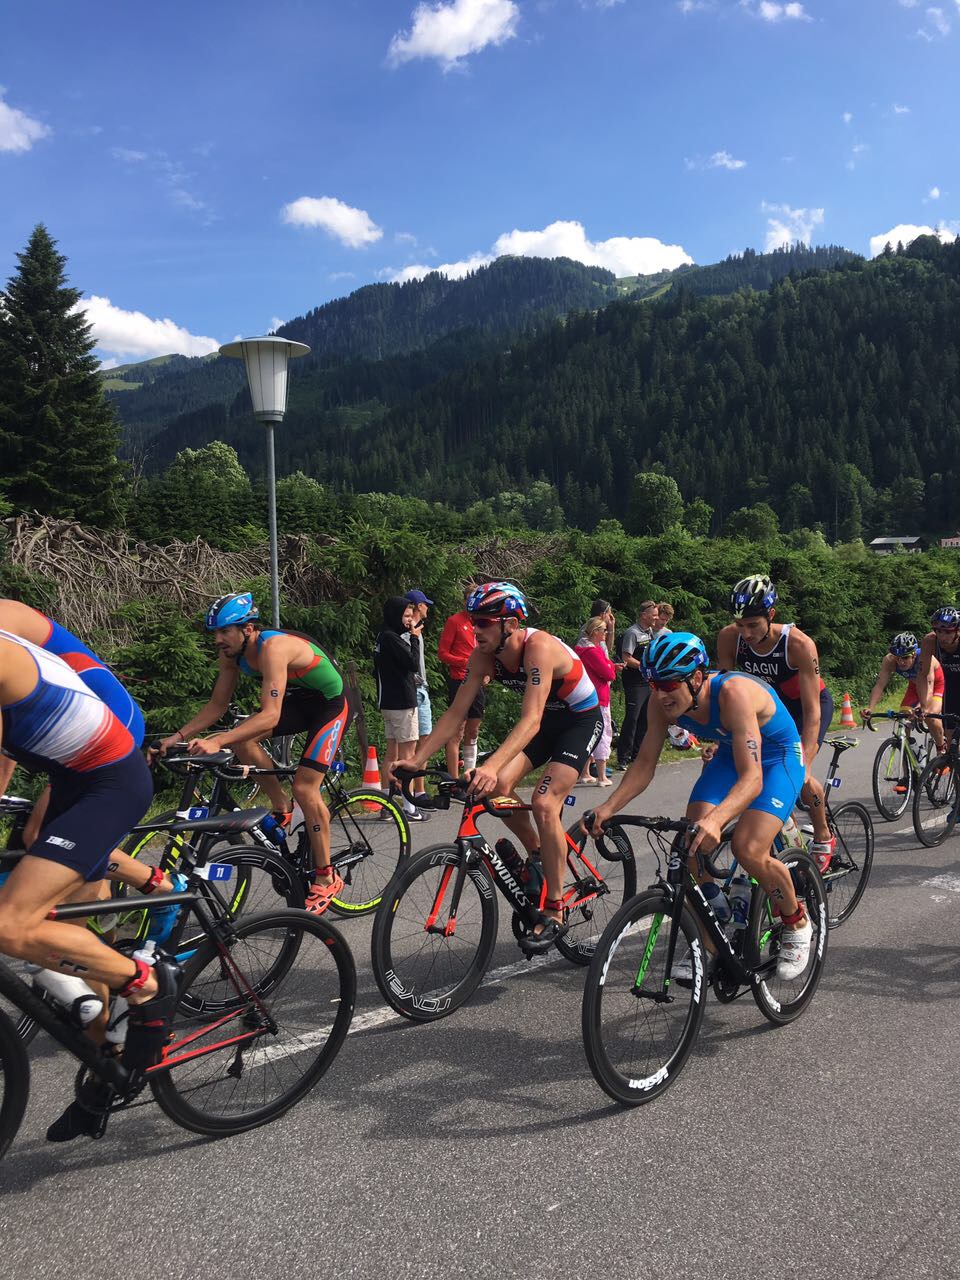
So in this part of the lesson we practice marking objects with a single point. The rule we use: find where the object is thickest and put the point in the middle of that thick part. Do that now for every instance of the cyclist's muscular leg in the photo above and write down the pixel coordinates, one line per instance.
(34, 888)
(518, 824)
(812, 797)
(306, 791)
(253, 753)
(751, 844)
(556, 784)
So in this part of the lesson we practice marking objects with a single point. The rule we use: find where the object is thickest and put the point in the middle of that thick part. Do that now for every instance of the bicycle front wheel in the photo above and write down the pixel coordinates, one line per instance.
(781, 1000)
(639, 1022)
(427, 960)
(846, 878)
(936, 801)
(261, 1018)
(369, 839)
(14, 1081)
(892, 779)
(601, 876)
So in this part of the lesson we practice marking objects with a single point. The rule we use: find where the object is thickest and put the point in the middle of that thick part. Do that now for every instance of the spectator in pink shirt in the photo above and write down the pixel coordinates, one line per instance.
(602, 672)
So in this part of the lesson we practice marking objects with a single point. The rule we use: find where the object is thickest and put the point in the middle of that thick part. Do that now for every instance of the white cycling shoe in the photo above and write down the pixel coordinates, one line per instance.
(794, 951)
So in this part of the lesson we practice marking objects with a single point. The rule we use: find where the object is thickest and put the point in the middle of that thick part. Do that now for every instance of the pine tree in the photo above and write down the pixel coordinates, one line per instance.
(58, 435)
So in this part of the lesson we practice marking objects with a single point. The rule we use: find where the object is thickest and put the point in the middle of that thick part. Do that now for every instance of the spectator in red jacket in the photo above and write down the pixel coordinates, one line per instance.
(457, 642)
(593, 655)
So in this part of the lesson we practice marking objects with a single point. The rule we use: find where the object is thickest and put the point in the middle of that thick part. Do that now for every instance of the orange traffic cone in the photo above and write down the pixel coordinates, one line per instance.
(371, 775)
(846, 714)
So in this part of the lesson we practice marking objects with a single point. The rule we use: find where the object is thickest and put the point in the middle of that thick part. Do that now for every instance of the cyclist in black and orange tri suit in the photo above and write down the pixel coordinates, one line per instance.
(559, 726)
(301, 690)
(787, 659)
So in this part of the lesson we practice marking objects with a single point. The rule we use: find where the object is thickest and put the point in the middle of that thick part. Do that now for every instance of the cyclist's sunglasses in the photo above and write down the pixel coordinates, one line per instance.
(481, 624)
(950, 626)
(666, 686)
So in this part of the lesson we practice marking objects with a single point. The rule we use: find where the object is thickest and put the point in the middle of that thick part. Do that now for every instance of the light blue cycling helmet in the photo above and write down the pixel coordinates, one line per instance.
(675, 656)
(232, 611)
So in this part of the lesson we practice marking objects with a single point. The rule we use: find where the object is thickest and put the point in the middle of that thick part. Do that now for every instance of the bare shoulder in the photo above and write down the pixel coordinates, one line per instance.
(741, 697)
(800, 640)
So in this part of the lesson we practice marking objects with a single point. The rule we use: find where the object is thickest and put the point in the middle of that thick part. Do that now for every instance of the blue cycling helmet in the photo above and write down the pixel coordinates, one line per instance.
(499, 600)
(752, 597)
(903, 644)
(675, 656)
(946, 617)
(232, 611)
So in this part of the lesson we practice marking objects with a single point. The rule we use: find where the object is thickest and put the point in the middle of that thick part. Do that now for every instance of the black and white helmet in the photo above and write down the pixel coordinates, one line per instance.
(753, 596)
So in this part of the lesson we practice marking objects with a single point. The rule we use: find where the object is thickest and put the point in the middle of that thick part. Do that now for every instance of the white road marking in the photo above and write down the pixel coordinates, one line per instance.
(943, 882)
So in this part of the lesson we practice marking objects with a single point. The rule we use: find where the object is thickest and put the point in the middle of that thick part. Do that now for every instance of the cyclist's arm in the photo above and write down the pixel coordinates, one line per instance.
(727, 649)
(629, 651)
(925, 677)
(478, 668)
(640, 773)
(808, 666)
(539, 659)
(883, 679)
(275, 657)
(218, 705)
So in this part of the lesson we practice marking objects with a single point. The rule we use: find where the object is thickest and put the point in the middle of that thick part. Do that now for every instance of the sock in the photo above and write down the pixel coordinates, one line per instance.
(469, 755)
(408, 807)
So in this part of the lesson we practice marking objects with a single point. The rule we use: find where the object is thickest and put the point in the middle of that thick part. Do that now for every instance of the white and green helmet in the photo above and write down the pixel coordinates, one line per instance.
(753, 596)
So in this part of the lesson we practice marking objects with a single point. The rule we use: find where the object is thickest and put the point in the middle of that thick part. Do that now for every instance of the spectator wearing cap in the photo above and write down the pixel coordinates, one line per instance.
(421, 605)
(635, 689)
(457, 642)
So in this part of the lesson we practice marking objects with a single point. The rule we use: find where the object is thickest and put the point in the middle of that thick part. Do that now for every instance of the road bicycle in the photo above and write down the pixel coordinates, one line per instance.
(936, 796)
(640, 1018)
(369, 833)
(850, 823)
(265, 1005)
(435, 931)
(899, 762)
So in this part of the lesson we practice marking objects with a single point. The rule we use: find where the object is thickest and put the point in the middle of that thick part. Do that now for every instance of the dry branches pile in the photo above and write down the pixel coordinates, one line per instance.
(512, 558)
(96, 573)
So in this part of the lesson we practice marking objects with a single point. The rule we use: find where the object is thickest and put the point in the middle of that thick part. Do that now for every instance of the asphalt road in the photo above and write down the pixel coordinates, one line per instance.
(481, 1146)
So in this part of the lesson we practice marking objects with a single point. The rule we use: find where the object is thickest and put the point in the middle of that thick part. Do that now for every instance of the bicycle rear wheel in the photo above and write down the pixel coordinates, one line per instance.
(936, 801)
(259, 882)
(779, 1000)
(638, 1023)
(892, 779)
(14, 1081)
(849, 870)
(369, 839)
(425, 961)
(600, 877)
(261, 1018)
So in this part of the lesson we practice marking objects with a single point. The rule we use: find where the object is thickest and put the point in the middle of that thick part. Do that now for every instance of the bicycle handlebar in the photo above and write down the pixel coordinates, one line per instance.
(891, 715)
(677, 826)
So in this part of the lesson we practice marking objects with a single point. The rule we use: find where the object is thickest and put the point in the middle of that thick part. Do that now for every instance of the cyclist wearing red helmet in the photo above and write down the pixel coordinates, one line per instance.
(559, 726)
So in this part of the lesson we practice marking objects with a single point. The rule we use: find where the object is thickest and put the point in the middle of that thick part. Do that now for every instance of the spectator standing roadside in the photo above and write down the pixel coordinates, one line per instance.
(421, 605)
(664, 619)
(635, 689)
(457, 642)
(602, 609)
(396, 662)
(602, 672)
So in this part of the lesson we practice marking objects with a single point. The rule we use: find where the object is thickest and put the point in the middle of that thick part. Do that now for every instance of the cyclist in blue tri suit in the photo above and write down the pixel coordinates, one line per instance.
(755, 776)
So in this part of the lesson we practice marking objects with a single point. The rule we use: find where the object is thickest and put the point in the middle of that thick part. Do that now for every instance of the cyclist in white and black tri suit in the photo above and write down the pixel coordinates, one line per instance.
(559, 726)
(942, 643)
(787, 659)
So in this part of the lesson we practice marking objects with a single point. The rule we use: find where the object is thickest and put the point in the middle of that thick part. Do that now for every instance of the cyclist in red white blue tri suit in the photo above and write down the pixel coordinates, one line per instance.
(559, 726)
(52, 723)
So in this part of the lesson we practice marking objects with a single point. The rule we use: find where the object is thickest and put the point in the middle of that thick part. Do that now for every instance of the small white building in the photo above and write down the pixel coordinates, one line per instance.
(887, 546)
(951, 542)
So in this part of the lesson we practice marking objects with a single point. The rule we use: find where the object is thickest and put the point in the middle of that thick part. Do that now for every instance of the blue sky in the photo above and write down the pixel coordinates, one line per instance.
(212, 169)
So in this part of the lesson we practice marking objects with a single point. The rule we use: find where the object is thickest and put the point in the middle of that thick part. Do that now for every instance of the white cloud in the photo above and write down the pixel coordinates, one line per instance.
(342, 275)
(405, 237)
(909, 4)
(127, 156)
(275, 324)
(623, 255)
(693, 6)
(847, 117)
(899, 110)
(938, 21)
(131, 335)
(904, 232)
(775, 11)
(719, 160)
(352, 227)
(933, 193)
(788, 226)
(18, 131)
(856, 151)
(451, 32)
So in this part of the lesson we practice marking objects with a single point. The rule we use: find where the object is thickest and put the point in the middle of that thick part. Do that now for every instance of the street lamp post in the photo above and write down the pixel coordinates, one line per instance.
(266, 361)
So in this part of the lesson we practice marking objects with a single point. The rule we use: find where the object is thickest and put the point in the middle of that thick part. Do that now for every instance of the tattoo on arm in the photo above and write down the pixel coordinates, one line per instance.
(534, 675)
(754, 749)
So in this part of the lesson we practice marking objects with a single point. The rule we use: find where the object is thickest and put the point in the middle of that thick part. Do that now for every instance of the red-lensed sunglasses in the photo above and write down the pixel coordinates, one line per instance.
(481, 624)
(665, 686)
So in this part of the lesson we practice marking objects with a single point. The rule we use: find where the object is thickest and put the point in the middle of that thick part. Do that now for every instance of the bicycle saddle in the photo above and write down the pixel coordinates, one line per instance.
(841, 744)
(220, 823)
